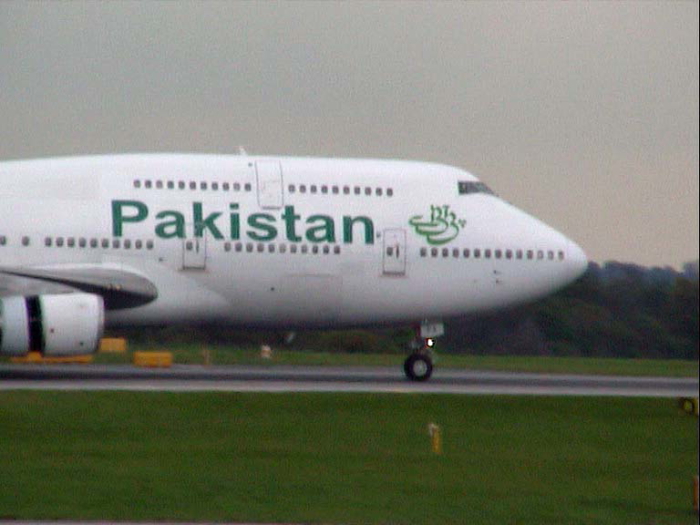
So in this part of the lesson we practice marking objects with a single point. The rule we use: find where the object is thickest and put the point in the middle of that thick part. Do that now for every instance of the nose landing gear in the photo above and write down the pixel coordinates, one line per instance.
(419, 365)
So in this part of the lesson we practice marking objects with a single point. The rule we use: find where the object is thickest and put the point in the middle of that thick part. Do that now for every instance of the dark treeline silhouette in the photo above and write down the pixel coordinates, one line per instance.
(614, 310)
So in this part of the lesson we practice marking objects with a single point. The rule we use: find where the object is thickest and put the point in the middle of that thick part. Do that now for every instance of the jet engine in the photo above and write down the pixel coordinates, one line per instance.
(55, 325)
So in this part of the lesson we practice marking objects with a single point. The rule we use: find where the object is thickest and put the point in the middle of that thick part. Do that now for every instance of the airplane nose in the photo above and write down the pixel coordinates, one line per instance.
(576, 260)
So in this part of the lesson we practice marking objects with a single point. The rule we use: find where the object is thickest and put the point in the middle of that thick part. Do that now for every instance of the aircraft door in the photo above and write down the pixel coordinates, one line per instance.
(394, 254)
(270, 188)
(194, 253)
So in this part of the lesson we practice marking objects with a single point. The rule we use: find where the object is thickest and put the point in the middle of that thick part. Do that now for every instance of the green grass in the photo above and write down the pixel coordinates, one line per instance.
(193, 354)
(345, 458)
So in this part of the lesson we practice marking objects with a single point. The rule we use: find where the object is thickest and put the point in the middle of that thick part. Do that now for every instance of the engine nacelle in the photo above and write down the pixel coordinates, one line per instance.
(55, 325)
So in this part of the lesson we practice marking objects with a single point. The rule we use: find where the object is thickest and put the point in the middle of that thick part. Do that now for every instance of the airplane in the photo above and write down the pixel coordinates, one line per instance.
(288, 243)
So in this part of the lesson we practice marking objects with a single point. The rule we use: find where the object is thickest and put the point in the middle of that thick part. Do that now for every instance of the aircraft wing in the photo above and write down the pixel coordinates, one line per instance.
(118, 287)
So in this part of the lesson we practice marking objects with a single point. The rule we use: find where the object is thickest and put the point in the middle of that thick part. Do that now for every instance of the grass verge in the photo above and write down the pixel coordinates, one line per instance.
(345, 458)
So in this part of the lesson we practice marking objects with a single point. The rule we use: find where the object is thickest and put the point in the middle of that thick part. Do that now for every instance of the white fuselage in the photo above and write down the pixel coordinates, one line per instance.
(280, 242)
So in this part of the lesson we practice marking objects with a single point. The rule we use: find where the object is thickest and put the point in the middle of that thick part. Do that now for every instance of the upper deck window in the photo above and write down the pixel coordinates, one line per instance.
(469, 187)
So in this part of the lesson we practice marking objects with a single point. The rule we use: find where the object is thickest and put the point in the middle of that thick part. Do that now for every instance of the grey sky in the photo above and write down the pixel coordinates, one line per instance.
(584, 114)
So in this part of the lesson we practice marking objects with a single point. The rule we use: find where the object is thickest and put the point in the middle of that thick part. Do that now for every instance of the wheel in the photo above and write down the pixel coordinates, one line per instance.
(418, 367)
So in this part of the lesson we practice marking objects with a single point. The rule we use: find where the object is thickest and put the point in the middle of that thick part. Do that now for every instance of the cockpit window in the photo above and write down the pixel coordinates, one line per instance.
(470, 187)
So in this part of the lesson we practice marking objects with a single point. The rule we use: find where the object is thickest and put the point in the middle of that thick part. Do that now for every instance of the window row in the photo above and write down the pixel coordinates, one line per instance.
(325, 189)
(487, 253)
(192, 185)
(82, 242)
(260, 247)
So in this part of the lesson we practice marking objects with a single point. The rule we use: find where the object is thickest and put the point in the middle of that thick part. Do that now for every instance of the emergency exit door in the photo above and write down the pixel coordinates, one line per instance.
(394, 252)
(270, 188)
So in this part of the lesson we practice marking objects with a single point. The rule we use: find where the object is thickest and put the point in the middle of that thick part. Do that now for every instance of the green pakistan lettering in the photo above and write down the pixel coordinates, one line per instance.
(442, 227)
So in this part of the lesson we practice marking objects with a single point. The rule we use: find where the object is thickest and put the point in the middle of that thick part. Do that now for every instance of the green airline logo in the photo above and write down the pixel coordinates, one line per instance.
(233, 225)
(442, 227)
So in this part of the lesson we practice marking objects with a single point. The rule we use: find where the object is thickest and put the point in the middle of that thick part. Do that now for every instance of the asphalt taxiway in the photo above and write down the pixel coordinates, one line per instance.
(190, 378)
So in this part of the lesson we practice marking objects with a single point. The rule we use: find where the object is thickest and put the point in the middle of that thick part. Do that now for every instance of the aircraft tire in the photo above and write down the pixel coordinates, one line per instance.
(418, 367)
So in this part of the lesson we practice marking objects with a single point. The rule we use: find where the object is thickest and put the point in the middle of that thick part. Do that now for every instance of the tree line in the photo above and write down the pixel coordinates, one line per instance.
(614, 310)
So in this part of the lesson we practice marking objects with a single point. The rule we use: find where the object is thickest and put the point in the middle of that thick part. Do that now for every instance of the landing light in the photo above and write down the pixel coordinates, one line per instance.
(430, 342)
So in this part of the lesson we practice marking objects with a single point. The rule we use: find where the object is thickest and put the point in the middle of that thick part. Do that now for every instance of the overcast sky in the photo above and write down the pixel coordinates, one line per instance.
(583, 114)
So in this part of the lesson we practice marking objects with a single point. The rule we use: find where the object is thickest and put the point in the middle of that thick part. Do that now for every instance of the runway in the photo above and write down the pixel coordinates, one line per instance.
(190, 378)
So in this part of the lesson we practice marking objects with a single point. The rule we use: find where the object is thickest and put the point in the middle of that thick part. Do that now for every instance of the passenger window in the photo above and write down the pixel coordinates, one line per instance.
(82, 242)
(336, 190)
(193, 185)
(423, 252)
(291, 188)
(189, 246)
(346, 190)
(550, 255)
(368, 191)
(149, 245)
(379, 192)
(171, 185)
(293, 248)
(283, 248)
(487, 254)
(540, 255)
(215, 186)
(25, 241)
(455, 253)
(561, 255)
(261, 247)
(181, 184)
(138, 245)
(226, 186)
(302, 188)
(116, 243)
(390, 251)
(48, 242)
(324, 189)
(202, 185)
(137, 183)
(357, 190)
(389, 192)
(248, 187)
(519, 254)
(326, 249)
(271, 248)
(477, 254)
(239, 246)
(336, 249)
(236, 186)
(105, 243)
(304, 248)
(59, 242)
(127, 244)
(249, 247)
(433, 252)
(227, 246)
(445, 252)
(148, 184)
(71, 242)
(314, 249)
(313, 188)
(465, 253)
(530, 255)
